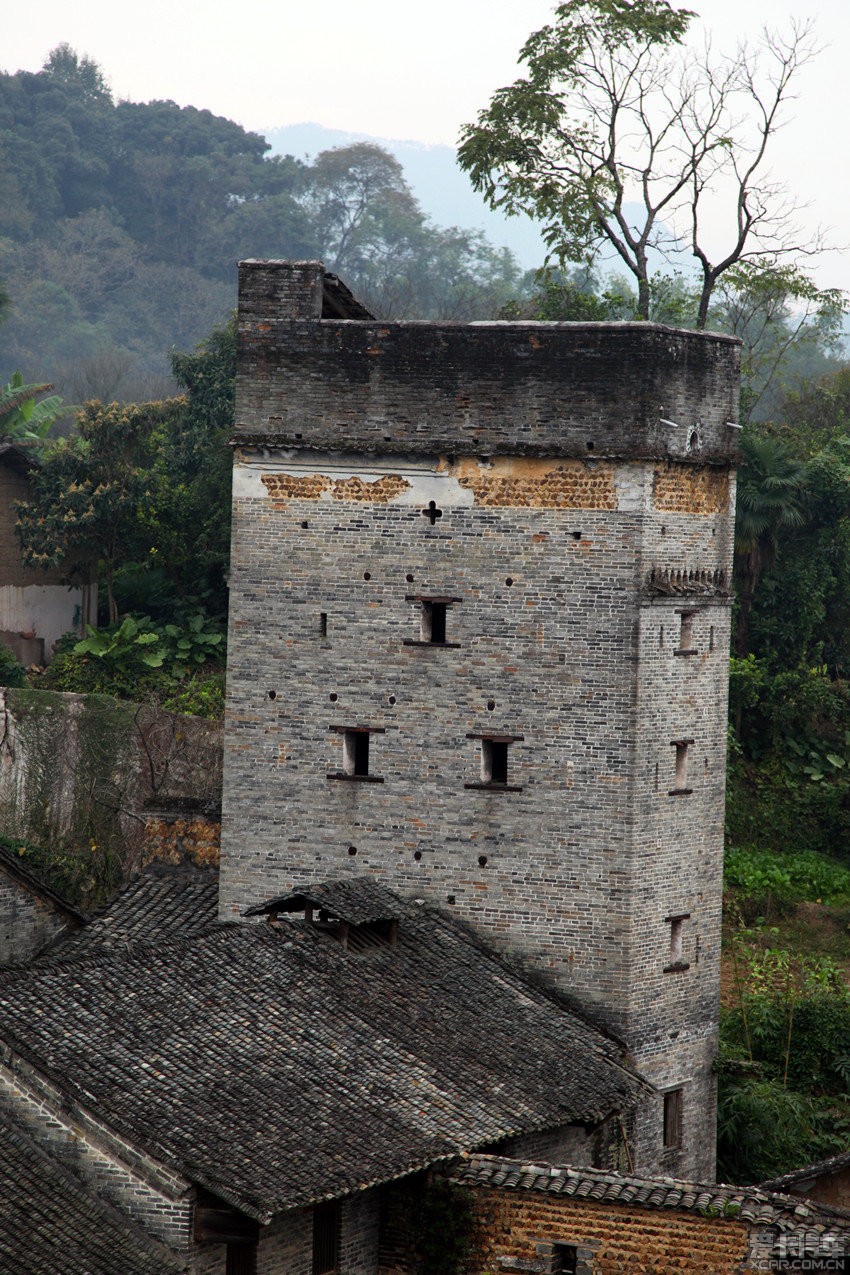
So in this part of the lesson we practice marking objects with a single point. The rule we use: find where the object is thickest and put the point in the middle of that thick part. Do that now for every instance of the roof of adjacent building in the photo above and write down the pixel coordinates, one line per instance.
(273, 1067)
(822, 1169)
(163, 901)
(52, 1223)
(823, 1226)
(14, 866)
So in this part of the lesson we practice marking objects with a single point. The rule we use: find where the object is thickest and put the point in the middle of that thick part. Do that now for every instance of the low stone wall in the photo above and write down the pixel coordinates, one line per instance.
(87, 772)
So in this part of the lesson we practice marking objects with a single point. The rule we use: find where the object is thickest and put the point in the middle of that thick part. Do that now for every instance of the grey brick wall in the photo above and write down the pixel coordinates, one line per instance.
(27, 923)
(555, 640)
(159, 1202)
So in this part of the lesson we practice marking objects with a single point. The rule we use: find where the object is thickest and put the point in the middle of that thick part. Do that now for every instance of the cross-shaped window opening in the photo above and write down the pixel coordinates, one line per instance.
(432, 513)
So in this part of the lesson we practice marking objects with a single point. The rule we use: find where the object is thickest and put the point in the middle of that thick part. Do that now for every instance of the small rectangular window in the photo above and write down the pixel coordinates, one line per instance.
(673, 1118)
(241, 1259)
(327, 1227)
(433, 620)
(356, 753)
(565, 1259)
(323, 624)
(494, 762)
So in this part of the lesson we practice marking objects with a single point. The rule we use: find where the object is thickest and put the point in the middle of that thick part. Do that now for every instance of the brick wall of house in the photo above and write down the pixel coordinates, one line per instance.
(570, 487)
(514, 1231)
(27, 923)
(158, 1200)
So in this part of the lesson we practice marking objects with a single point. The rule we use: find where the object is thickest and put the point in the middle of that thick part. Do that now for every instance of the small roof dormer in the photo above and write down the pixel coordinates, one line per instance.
(359, 913)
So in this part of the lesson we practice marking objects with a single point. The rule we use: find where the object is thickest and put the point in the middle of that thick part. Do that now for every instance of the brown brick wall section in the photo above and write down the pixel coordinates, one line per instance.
(312, 486)
(640, 1240)
(176, 840)
(570, 484)
(685, 489)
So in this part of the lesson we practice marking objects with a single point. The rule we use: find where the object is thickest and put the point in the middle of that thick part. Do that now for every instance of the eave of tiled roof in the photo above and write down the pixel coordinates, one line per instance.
(359, 901)
(834, 1164)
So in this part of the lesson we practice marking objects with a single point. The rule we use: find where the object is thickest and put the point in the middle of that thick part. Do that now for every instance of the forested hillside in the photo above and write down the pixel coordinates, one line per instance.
(121, 223)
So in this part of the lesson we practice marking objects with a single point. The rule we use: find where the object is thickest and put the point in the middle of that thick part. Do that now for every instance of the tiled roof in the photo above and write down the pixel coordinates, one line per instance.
(357, 901)
(52, 1224)
(15, 867)
(835, 1164)
(269, 1065)
(826, 1226)
(164, 901)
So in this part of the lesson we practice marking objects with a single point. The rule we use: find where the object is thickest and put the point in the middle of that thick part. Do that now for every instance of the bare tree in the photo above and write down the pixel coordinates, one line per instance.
(620, 134)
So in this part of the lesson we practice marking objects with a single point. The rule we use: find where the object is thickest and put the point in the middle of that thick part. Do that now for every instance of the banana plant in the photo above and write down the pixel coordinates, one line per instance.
(22, 419)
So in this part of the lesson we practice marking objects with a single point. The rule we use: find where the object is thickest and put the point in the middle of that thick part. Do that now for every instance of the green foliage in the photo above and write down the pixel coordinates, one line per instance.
(444, 1228)
(85, 497)
(613, 109)
(765, 1129)
(123, 649)
(787, 877)
(784, 1061)
(11, 672)
(24, 420)
(83, 876)
(200, 694)
(178, 666)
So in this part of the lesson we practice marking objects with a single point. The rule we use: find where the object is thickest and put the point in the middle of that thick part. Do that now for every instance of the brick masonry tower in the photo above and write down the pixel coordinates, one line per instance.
(479, 647)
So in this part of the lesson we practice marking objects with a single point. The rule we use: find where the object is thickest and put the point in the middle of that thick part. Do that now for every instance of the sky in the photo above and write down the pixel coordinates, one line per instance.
(414, 71)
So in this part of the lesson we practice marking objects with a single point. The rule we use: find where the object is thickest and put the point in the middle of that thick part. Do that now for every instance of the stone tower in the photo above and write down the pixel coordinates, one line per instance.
(479, 646)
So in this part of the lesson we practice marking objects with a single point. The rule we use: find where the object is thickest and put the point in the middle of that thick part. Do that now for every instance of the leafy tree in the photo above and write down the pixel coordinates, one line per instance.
(770, 498)
(83, 512)
(786, 324)
(81, 73)
(186, 519)
(613, 109)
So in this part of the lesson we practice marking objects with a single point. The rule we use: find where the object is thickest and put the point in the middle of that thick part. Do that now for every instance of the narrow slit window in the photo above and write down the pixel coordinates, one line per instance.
(673, 1118)
(680, 782)
(327, 1228)
(686, 633)
(323, 624)
(676, 959)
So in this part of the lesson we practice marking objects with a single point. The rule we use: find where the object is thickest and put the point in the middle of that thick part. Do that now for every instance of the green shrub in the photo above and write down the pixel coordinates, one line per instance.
(773, 877)
(11, 672)
(175, 666)
(200, 694)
